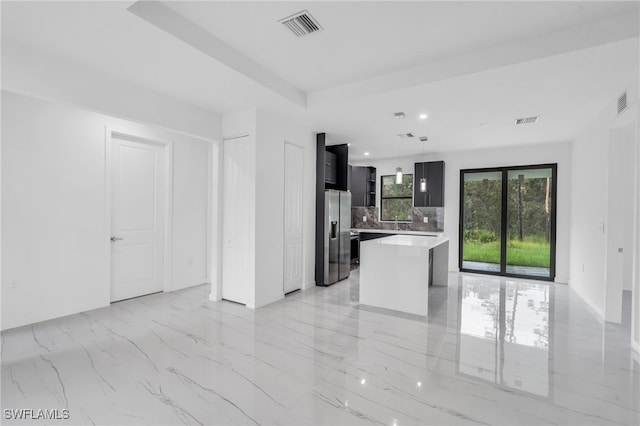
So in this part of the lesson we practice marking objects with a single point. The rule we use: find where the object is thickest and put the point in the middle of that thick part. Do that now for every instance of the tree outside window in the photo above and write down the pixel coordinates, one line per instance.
(396, 200)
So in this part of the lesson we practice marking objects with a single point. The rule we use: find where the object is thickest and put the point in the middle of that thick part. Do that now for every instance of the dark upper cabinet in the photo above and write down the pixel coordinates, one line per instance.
(363, 186)
(330, 167)
(358, 189)
(371, 187)
(435, 180)
(433, 171)
(337, 167)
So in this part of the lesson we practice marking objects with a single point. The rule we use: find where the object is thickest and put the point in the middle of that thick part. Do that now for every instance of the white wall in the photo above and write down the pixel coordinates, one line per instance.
(269, 132)
(559, 153)
(190, 211)
(635, 320)
(235, 124)
(53, 209)
(272, 132)
(589, 189)
(46, 77)
(593, 239)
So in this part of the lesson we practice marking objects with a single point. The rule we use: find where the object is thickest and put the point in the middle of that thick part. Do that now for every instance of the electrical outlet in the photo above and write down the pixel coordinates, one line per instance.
(364, 218)
(425, 219)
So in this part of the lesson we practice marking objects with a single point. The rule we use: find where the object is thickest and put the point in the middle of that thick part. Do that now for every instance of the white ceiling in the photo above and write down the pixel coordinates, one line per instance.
(462, 63)
(367, 39)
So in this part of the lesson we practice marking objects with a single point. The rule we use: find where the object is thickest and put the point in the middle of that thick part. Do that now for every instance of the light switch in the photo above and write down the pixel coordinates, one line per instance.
(425, 219)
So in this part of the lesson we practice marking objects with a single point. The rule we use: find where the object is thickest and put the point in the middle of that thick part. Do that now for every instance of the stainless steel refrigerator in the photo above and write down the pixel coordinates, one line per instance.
(337, 239)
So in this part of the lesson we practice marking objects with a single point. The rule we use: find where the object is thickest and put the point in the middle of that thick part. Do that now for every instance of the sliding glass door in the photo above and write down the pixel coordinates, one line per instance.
(507, 221)
(529, 222)
(481, 220)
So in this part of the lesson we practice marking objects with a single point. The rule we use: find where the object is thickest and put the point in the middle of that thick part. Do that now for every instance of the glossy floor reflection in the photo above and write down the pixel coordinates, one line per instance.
(491, 351)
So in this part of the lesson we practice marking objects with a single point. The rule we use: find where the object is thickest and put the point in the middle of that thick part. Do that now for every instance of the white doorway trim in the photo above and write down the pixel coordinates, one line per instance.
(238, 185)
(110, 133)
(214, 241)
(300, 201)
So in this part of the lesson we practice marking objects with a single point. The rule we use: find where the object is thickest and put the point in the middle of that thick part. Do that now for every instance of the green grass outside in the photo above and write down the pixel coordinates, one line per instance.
(520, 253)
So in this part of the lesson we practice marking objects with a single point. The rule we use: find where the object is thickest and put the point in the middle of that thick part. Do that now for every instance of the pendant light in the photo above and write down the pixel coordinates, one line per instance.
(423, 180)
(399, 169)
(398, 175)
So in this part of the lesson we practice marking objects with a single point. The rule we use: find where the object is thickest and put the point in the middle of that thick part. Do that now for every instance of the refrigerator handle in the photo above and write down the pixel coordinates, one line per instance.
(334, 230)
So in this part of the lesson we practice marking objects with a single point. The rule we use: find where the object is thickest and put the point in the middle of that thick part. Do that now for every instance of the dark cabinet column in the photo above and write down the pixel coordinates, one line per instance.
(332, 172)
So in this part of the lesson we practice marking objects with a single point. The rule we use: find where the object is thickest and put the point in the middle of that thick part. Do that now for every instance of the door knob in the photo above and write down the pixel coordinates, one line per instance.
(116, 238)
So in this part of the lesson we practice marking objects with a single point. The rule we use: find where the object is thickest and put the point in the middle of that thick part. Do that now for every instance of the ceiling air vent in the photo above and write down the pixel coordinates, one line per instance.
(405, 135)
(622, 102)
(527, 120)
(301, 23)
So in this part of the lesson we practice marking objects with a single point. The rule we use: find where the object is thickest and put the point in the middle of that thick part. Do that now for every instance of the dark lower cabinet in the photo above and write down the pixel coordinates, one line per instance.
(433, 172)
(355, 248)
(366, 236)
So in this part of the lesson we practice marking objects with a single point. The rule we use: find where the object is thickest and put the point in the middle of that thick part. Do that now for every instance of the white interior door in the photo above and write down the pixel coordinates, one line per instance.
(238, 190)
(293, 180)
(137, 219)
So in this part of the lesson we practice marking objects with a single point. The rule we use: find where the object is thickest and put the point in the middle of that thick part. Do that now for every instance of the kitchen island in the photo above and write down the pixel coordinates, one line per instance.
(396, 271)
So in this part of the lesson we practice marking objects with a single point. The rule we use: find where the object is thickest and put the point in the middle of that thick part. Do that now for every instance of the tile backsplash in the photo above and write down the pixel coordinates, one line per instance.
(435, 216)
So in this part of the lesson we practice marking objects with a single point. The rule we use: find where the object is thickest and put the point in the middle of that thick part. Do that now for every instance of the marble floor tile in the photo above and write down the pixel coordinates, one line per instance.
(491, 351)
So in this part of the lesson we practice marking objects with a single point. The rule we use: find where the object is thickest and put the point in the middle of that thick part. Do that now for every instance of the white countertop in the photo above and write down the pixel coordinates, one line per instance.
(399, 232)
(409, 240)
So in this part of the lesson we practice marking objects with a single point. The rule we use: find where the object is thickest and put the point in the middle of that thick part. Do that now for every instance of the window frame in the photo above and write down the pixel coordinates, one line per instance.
(408, 197)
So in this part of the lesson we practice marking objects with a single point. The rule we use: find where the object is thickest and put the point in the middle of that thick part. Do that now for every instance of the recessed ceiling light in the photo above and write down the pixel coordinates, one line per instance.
(366, 154)
(422, 116)
(348, 143)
